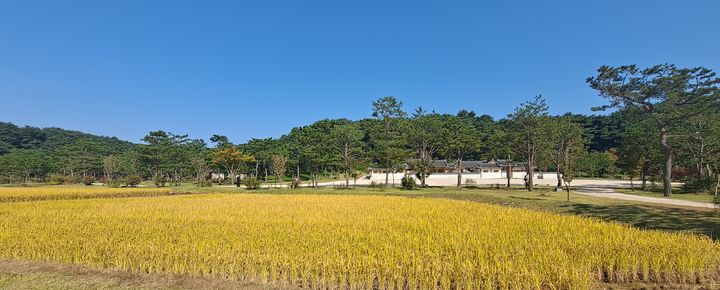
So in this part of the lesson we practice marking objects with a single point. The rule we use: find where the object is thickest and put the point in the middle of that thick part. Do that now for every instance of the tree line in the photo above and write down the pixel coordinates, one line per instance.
(663, 125)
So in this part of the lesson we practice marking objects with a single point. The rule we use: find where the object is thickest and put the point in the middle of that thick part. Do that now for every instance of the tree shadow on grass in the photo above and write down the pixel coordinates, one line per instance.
(668, 219)
(525, 198)
(641, 216)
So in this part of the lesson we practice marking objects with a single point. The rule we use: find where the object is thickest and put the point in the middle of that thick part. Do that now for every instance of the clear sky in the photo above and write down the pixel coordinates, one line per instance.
(258, 68)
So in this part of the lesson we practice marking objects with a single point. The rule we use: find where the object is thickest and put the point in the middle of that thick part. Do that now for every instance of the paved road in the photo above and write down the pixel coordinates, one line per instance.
(606, 192)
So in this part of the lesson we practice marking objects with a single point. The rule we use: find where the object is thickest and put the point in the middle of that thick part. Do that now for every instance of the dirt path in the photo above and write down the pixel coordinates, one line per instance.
(43, 275)
(606, 192)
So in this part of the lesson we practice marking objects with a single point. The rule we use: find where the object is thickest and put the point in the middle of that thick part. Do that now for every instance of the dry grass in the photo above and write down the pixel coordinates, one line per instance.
(41, 275)
(16, 194)
(351, 242)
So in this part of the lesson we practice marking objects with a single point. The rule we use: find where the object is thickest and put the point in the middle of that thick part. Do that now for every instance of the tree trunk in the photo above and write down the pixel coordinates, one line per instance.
(347, 179)
(701, 166)
(531, 172)
(667, 170)
(459, 173)
(557, 174)
(422, 179)
(233, 175)
(508, 174)
(346, 157)
(717, 184)
(632, 186)
(567, 187)
(643, 176)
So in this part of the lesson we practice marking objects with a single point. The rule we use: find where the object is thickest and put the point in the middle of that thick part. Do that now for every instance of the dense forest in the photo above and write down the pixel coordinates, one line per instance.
(664, 124)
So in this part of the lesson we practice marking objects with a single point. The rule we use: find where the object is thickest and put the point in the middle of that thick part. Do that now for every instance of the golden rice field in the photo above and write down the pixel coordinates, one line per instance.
(15, 194)
(356, 242)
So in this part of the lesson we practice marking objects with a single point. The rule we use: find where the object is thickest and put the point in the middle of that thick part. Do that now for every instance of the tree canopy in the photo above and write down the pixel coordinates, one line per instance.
(664, 123)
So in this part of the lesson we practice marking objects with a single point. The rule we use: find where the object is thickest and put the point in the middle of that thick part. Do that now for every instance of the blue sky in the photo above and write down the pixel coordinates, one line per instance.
(258, 68)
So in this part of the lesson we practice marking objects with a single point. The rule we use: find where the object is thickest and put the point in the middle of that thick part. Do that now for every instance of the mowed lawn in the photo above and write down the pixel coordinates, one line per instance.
(697, 197)
(371, 240)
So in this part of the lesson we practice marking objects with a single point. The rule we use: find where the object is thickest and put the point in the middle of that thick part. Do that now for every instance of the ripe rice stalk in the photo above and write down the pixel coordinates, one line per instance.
(351, 242)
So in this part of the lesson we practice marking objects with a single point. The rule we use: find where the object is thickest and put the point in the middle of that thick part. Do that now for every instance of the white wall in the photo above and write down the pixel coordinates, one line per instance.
(547, 176)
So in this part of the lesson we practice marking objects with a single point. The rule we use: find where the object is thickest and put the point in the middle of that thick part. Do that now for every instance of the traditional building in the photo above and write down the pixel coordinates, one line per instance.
(495, 168)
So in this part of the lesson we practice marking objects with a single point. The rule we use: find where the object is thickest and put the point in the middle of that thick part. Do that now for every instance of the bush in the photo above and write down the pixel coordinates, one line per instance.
(56, 179)
(470, 183)
(88, 180)
(132, 180)
(251, 183)
(295, 183)
(408, 182)
(113, 183)
(160, 181)
(703, 184)
(72, 180)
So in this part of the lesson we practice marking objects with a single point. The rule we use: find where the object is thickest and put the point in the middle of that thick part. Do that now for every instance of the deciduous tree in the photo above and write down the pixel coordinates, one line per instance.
(111, 165)
(425, 133)
(231, 159)
(525, 130)
(563, 145)
(348, 141)
(460, 138)
(278, 165)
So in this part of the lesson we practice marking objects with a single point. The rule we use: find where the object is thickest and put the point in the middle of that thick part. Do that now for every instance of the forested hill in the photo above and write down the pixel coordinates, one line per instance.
(18, 138)
(26, 151)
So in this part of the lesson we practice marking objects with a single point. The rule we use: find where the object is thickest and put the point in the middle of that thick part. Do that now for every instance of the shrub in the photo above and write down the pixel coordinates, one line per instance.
(295, 183)
(113, 183)
(160, 181)
(703, 184)
(470, 183)
(251, 183)
(408, 182)
(88, 180)
(132, 180)
(72, 180)
(56, 179)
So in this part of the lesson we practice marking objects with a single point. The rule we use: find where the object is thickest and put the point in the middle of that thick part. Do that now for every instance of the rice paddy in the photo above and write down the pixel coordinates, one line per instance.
(351, 242)
(16, 194)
